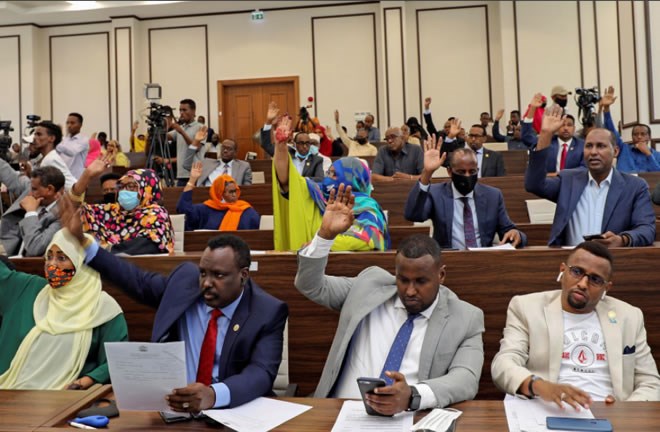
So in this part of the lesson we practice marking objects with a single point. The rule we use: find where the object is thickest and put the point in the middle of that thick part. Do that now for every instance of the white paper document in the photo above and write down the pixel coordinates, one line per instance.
(143, 373)
(505, 246)
(260, 415)
(529, 415)
(354, 418)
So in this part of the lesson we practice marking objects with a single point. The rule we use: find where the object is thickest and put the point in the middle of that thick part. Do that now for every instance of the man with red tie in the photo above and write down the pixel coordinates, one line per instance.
(566, 151)
(232, 329)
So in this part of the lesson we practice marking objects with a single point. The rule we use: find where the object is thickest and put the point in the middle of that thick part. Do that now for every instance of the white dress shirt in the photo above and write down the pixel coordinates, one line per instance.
(561, 148)
(373, 338)
(218, 171)
(480, 159)
(588, 215)
(73, 150)
(55, 160)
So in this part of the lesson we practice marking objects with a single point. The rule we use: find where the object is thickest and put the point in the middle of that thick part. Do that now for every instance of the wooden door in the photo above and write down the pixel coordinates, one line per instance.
(242, 107)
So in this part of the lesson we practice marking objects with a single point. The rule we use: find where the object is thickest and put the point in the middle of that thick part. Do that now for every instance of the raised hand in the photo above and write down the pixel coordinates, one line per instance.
(432, 157)
(537, 101)
(338, 216)
(98, 166)
(337, 116)
(195, 172)
(608, 98)
(553, 119)
(273, 112)
(70, 217)
(500, 113)
(454, 128)
(135, 125)
(200, 136)
(427, 103)
(283, 131)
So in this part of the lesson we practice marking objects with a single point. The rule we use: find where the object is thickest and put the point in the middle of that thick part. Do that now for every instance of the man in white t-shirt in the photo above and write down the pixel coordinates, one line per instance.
(577, 344)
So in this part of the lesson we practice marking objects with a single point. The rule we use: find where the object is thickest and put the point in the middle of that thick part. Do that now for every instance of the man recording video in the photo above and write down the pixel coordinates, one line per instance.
(182, 133)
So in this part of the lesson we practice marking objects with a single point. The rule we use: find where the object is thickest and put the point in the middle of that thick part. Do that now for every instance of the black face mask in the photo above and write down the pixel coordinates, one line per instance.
(361, 140)
(561, 102)
(464, 184)
(109, 198)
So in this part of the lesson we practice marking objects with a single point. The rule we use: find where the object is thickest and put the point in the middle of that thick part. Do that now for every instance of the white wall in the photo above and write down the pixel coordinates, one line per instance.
(473, 54)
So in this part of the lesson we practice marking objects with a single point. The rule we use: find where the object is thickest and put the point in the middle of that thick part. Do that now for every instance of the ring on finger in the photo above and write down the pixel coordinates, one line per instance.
(185, 405)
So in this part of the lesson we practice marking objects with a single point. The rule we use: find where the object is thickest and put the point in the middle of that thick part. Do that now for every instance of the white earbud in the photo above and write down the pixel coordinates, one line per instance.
(603, 296)
(560, 275)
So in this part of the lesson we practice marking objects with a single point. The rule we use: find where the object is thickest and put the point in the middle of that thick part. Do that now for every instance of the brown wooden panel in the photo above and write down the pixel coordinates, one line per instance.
(486, 279)
(515, 161)
(539, 234)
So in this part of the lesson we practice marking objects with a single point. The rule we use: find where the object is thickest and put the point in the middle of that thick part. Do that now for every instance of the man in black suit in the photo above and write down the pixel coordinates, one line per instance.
(490, 162)
(307, 164)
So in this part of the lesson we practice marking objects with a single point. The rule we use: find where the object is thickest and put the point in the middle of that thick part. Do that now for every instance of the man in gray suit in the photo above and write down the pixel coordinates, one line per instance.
(407, 328)
(490, 162)
(226, 163)
(30, 222)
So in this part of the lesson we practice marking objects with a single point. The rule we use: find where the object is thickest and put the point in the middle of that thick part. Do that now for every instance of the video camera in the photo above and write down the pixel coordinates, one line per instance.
(5, 139)
(158, 115)
(586, 100)
(28, 132)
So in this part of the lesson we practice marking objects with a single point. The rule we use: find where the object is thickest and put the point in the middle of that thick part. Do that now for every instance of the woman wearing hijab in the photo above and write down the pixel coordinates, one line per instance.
(55, 327)
(299, 202)
(118, 157)
(223, 211)
(135, 224)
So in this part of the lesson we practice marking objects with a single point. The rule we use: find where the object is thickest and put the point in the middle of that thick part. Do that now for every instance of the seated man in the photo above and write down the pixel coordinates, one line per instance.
(398, 159)
(225, 164)
(199, 304)
(223, 211)
(109, 187)
(513, 131)
(577, 344)
(594, 200)
(489, 162)
(638, 157)
(451, 132)
(29, 224)
(566, 151)
(407, 328)
(454, 223)
(358, 147)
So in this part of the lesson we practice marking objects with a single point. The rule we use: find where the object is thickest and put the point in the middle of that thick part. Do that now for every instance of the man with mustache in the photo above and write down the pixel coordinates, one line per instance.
(577, 344)
(233, 330)
(407, 328)
(592, 200)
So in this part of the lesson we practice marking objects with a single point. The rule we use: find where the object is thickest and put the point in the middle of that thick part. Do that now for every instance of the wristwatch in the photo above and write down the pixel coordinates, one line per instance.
(530, 387)
(415, 399)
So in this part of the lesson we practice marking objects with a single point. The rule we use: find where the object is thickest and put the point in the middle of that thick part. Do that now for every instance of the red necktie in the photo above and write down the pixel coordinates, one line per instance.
(562, 161)
(207, 353)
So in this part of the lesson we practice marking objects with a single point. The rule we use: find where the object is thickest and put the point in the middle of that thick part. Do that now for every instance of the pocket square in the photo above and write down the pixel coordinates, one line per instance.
(629, 350)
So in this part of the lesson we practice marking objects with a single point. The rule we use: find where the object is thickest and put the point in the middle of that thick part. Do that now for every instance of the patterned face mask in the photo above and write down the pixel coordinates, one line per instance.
(58, 277)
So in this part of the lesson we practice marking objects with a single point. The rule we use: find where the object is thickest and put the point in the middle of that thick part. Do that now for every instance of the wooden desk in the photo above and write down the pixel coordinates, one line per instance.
(477, 416)
(485, 279)
(26, 410)
(195, 241)
(539, 234)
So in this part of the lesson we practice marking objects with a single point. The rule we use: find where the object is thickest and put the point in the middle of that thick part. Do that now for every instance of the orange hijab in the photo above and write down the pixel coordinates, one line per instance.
(234, 210)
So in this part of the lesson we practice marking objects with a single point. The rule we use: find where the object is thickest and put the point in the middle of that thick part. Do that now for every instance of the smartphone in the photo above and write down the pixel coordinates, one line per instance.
(367, 385)
(578, 424)
(173, 417)
(593, 237)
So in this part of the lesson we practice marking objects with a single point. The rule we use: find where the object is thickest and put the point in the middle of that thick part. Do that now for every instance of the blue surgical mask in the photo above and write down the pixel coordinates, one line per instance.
(128, 200)
(314, 150)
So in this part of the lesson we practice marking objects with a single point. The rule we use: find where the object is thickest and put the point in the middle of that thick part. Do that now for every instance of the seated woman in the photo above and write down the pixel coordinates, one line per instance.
(118, 157)
(223, 211)
(55, 327)
(299, 202)
(135, 224)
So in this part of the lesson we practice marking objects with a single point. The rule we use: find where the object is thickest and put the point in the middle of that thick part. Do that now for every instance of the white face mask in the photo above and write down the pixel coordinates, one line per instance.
(437, 420)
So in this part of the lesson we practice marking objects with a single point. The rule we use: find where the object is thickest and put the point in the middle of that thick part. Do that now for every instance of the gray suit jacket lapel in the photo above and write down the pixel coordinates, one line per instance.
(437, 323)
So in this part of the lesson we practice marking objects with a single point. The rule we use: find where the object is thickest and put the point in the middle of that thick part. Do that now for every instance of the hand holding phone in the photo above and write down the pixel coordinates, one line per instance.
(593, 237)
(368, 385)
(578, 424)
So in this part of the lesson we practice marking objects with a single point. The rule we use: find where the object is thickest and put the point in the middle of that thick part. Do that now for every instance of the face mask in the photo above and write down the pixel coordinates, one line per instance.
(128, 200)
(313, 150)
(361, 140)
(109, 198)
(58, 277)
(561, 102)
(301, 157)
(464, 184)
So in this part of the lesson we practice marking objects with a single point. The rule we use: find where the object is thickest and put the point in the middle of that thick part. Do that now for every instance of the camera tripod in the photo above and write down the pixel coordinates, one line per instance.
(158, 147)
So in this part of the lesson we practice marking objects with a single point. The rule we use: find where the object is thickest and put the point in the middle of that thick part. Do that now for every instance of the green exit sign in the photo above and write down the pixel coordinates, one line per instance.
(257, 15)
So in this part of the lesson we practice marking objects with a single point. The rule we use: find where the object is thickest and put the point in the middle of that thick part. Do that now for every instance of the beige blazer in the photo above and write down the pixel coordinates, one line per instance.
(533, 343)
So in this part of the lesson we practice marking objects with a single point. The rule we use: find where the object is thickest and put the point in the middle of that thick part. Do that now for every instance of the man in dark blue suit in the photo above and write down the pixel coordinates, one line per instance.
(464, 213)
(596, 200)
(566, 151)
(214, 302)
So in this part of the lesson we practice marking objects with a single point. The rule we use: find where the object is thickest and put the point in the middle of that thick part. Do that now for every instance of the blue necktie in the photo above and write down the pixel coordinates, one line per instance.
(398, 349)
(468, 224)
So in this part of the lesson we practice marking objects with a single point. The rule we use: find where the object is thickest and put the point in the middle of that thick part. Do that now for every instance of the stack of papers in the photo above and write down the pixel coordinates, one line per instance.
(505, 246)
(529, 415)
(260, 415)
(354, 418)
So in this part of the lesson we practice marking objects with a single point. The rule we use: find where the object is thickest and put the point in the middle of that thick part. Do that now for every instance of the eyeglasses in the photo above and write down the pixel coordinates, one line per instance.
(128, 186)
(307, 143)
(391, 137)
(594, 280)
(228, 149)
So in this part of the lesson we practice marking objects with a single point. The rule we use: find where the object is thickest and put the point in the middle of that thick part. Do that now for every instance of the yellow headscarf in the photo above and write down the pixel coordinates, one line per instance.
(53, 353)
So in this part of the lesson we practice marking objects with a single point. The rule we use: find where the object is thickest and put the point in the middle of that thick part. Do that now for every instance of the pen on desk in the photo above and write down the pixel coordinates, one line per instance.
(81, 426)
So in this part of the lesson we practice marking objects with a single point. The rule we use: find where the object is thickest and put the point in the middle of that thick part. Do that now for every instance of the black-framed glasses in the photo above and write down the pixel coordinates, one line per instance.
(132, 186)
(594, 280)
(307, 143)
